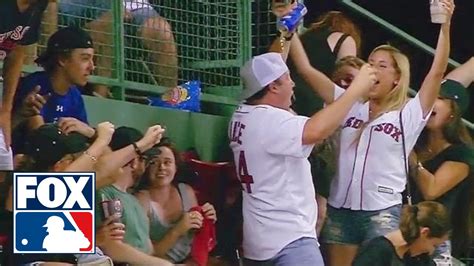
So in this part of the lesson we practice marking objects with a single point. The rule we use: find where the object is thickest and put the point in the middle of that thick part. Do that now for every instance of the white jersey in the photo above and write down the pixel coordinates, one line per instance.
(279, 204)
(371, 172)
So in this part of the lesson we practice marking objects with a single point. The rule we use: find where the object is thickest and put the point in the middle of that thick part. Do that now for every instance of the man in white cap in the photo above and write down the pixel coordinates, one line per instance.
(271, 146)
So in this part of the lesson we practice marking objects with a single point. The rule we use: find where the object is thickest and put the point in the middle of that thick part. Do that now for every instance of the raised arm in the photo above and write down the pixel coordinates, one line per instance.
(431, 85)
(282, 45)
(348, 45)
(110, 162)
(87, 160)
(463, 74)
(322, 124)
(318, 81)
(448, 175)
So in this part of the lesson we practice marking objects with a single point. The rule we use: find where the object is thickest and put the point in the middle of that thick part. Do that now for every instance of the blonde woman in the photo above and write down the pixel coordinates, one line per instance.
(365, 197)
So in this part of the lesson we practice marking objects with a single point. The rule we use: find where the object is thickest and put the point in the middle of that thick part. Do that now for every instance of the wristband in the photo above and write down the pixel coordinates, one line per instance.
(137, 150)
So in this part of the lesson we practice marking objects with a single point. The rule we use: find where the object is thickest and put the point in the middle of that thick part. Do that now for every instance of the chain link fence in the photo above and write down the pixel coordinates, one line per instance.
(147, 46)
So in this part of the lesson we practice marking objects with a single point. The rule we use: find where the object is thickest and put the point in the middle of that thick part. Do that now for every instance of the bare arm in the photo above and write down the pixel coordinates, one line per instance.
(123, 252)
(35, 122)
(322, 124)
(448, 175)
(319, 82)
(50, 19)
(431, 85)
(86, 162)
(348, 47)
(109, 163)
(281, 45)
(161, 247)
(191, 195)
(463, 74)
(11, 74)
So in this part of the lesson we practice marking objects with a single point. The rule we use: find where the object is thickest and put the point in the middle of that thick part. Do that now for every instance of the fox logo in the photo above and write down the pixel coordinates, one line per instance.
(54, 212)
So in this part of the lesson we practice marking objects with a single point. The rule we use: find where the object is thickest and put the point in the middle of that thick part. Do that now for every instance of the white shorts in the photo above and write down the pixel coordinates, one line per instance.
(6, 156)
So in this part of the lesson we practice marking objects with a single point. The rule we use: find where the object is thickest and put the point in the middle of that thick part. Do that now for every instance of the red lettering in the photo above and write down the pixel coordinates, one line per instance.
(244, 176)
(387, 129)
(349, 122)
(396, 134)
(237, 129)
(357, 123)
(379, 127)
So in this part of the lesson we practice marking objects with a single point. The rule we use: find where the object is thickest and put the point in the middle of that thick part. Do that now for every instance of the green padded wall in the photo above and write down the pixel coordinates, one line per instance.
(206, 133)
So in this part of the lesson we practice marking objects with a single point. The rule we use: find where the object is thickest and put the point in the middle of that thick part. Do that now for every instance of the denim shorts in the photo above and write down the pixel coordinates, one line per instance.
(349, 227)
(80, 12)
(302, 252)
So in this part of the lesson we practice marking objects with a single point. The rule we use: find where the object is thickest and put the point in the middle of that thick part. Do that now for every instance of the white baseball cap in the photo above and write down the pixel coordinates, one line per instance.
(260, 71)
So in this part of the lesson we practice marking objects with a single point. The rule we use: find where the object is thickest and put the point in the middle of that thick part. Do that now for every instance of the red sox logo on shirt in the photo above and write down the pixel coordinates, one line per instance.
(387, 128)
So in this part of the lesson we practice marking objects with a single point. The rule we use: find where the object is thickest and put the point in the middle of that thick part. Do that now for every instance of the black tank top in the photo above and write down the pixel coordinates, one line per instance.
(322, 58)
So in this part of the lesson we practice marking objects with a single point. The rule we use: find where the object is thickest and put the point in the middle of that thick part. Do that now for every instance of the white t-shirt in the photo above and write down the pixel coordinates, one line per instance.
(279, 203)
(371, 172)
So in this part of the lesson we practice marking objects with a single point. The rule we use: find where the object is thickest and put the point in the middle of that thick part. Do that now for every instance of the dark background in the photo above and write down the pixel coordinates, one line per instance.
(413, 17)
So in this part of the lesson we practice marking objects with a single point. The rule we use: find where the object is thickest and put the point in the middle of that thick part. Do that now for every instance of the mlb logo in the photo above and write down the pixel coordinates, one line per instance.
(54, 213)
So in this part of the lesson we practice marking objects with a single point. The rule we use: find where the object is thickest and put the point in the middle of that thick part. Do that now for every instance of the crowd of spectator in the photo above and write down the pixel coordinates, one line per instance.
(329, 157)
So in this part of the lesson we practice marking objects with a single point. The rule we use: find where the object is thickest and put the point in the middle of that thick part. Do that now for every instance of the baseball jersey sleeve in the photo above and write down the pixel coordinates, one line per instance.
(413, 121)
(412, 115)
(283, 135)
(338, 92)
